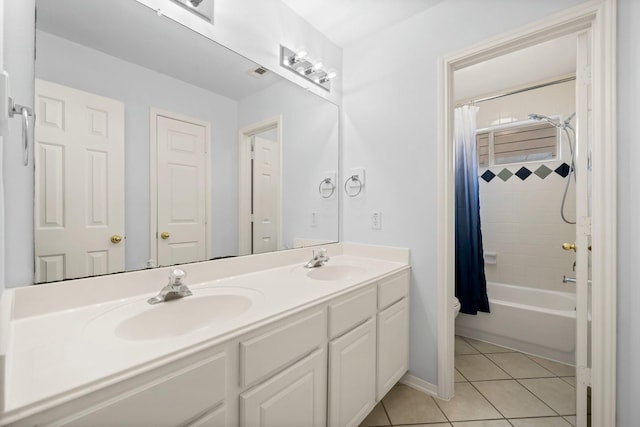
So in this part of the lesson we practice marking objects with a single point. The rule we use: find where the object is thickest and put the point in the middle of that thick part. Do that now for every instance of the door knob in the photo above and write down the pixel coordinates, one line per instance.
(165, 235)
(116, 239)
(569, 246)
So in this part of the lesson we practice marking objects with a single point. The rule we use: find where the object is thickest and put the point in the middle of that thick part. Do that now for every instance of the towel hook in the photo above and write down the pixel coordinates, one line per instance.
(354, 178)
(24, 112)
(321, 190)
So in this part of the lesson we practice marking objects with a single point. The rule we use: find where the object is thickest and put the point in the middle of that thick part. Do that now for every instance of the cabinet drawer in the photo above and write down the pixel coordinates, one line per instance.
(393, 289)
(352, 310)
(167, 402)
(269, 352)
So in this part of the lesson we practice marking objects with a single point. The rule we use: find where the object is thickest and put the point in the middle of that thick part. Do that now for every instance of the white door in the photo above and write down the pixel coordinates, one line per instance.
(352, 376)
(181, 148)
(265, 195)
(583, 227)
(79, 183)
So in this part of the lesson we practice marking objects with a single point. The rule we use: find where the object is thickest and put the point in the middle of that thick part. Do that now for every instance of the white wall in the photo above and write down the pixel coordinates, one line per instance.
(310, 148)
(521, 218)
(628, 212)
(140, 89)
(390, 124)
(19, 31)
(2, 207)
(256, 29)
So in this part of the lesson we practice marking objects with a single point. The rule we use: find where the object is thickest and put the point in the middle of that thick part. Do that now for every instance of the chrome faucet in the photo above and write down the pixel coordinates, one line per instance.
(318, 259)
(174, 289)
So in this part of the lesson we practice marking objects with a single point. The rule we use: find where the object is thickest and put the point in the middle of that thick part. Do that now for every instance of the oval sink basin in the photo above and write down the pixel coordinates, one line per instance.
(140, 321)
(334, 272)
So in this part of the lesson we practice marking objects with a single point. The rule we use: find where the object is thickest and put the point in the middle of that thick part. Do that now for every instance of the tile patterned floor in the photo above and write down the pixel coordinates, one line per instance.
(495, 387)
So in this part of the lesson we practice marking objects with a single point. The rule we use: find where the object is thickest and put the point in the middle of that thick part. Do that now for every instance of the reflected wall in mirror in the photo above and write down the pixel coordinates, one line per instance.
(144, 139)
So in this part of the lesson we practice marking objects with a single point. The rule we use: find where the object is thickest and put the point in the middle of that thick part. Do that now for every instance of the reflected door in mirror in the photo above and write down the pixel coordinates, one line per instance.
(79, 183)
(266, 194)
(182, 190)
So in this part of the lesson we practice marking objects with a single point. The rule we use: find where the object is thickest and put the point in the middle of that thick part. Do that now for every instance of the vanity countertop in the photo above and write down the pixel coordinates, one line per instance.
(56, 356)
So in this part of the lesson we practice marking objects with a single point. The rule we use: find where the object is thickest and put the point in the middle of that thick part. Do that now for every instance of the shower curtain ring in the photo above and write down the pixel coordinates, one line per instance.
(354, 178)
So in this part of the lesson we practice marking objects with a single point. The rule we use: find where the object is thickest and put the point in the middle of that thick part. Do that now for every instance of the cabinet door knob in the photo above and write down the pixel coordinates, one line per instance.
(165, 235)
(116, 239)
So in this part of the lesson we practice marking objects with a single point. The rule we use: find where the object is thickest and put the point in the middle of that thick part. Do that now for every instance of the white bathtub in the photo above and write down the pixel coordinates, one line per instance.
(534, 321)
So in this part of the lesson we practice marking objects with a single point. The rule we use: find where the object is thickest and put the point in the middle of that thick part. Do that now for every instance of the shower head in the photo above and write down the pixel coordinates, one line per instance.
(549, 120)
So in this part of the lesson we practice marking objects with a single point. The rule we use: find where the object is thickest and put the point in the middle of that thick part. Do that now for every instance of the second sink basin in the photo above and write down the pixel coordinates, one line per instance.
(335, 272)
(140, 321)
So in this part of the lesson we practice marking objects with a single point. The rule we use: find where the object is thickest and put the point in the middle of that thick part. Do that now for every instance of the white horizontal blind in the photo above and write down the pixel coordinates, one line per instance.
(518, 144)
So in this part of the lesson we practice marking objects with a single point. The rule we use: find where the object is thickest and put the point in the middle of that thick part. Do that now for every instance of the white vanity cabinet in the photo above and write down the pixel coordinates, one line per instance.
(285, 370)
(393, 332)
(326, 364)
(352, 358)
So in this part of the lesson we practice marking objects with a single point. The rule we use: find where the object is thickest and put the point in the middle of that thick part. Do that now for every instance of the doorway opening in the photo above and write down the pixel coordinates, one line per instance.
(595, 134)
(260, 187)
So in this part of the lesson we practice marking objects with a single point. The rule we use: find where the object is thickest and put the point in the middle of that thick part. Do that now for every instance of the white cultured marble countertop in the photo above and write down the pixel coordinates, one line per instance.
(54, 357)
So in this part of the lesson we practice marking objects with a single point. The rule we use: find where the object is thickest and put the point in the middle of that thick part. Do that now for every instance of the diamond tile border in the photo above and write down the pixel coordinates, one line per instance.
(523, 173)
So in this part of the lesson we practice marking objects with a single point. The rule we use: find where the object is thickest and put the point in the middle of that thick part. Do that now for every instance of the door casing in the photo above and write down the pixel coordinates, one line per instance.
(599, 18)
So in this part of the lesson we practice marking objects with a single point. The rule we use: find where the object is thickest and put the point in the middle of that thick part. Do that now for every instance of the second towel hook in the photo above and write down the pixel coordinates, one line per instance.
(354, 179)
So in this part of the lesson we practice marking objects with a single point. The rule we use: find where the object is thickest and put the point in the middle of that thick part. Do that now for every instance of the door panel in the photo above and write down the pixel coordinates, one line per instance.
(79, 151)
(181, 190)
(266, 195)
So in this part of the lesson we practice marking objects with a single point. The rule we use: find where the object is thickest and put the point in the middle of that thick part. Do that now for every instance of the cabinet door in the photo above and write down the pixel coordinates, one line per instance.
(352, 373)
(215, 418)
(295, 397)
(393, 345)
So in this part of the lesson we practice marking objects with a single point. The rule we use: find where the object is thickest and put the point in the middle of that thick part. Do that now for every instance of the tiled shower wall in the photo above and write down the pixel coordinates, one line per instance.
(521, 220)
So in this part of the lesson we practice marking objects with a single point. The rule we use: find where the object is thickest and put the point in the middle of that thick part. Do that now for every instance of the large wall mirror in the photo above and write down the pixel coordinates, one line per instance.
(156, 146)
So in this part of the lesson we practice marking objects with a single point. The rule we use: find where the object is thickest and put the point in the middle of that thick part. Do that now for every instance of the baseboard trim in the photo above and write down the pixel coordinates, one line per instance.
(420, 384)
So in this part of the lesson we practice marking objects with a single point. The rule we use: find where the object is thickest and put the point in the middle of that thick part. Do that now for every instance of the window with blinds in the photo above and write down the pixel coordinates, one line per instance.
(517, 144)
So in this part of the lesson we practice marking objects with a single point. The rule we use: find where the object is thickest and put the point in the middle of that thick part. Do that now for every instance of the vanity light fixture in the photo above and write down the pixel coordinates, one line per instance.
(299, 62)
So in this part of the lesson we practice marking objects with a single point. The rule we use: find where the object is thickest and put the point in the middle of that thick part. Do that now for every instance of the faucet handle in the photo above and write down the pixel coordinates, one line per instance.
(176, 276)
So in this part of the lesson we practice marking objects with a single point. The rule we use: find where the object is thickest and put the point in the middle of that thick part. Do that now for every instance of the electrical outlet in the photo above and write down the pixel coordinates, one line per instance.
(314, 219)
(376, 220)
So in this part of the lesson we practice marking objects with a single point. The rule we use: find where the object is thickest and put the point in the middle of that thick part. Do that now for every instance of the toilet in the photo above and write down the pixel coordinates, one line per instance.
(456, 307)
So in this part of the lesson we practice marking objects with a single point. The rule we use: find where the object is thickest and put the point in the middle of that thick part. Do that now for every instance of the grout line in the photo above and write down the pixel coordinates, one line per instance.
(385, 412)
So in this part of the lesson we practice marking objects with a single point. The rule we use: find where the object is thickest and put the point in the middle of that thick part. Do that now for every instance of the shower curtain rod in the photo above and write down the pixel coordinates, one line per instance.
(513, 92)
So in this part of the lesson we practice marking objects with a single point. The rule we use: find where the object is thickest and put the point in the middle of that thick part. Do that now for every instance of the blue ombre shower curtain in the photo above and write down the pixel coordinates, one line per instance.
(471, 284)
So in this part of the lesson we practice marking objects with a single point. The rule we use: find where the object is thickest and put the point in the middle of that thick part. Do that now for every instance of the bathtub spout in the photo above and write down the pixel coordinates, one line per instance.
(566, 279)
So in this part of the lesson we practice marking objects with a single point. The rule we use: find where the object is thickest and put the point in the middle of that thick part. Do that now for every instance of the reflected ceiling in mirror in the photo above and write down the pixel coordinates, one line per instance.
(157, 146)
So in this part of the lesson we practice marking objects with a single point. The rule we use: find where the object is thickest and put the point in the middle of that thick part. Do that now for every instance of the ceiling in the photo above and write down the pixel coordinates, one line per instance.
(345, 21)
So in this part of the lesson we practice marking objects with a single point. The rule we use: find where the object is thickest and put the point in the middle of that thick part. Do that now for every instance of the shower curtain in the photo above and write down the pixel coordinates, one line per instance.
(471, 284)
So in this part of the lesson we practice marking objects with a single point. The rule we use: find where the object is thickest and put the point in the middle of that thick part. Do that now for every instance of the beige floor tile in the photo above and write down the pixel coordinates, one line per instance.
(476, 367)
(540, 422)
(485, 347)
(569, 380)
(512, 399)
(424, 425)
(463, 347)
(377, 417)
(559, 369)
(468, 405)
(571, 420)
(485, 423)
(554, 392)
(408, 406)
(459, 378)
(519, 366)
